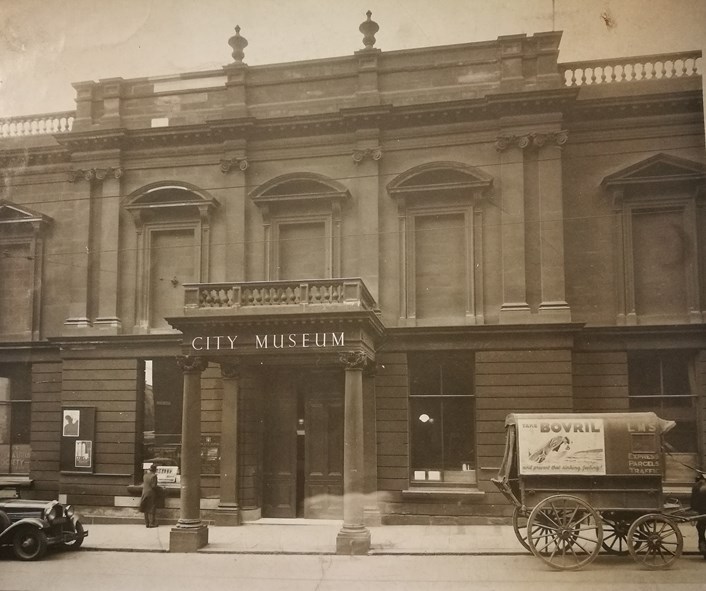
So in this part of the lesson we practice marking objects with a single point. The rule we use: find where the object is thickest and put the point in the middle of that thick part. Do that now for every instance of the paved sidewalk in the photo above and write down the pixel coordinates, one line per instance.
(319, 537)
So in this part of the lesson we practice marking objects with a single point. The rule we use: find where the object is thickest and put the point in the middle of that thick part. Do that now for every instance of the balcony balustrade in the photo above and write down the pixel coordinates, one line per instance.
(273, 297)
(29, 125)
(647, 67)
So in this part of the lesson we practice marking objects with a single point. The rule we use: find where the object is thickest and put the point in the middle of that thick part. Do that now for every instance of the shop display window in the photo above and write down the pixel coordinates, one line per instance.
(442, 418)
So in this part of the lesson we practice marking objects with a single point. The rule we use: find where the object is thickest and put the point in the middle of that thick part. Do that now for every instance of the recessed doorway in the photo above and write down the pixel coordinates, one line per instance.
(303, 444)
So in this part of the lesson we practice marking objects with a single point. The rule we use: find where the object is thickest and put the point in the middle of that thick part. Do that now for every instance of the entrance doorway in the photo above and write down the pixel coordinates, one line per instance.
(303, 445)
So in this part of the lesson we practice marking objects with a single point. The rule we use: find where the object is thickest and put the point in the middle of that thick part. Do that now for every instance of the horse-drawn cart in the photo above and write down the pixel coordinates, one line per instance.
(585, 482)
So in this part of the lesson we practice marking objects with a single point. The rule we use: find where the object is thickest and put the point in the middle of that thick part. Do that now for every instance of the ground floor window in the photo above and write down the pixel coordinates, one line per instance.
(664, 383)
(163, 395)
(442, 417)
(15, 417)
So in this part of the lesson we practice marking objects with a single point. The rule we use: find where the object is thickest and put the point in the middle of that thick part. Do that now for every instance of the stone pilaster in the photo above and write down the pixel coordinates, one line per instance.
(229, 506)
(514, 308)
(234, 166)
(553, 307)
(367, 157)
(107, 258)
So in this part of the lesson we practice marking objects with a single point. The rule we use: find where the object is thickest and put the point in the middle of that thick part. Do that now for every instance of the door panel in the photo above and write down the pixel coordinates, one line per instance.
(280, 451)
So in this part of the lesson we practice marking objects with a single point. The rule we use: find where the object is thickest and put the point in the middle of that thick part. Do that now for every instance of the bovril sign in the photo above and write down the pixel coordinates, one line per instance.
(564, 446)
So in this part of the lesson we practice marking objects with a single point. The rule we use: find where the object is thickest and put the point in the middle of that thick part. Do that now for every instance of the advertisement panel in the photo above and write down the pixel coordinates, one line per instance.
(561, 446)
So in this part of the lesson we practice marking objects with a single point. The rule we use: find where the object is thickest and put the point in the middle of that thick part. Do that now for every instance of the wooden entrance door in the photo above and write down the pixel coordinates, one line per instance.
(280, 451)
(304, 478)
(323, 487)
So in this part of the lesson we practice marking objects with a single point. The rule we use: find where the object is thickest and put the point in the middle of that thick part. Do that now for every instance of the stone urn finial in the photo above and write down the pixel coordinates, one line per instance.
(369, 28)
(238, 43)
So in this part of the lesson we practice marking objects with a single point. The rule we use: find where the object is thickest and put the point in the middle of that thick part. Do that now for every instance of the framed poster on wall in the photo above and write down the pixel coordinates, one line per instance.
(77, 438)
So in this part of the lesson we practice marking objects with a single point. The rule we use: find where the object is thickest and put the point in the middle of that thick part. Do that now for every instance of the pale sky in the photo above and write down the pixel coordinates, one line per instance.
(45, 45)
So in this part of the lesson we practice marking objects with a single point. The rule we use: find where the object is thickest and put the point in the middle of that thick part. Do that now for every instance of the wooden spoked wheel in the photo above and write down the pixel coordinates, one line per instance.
(615, 536)
(519, 524)
(565, 532)
(655, 541)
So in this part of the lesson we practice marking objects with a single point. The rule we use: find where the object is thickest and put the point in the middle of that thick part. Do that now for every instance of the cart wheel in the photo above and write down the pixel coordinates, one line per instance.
(655, 541)
(565, 532)
(615, 536)
(519, 524)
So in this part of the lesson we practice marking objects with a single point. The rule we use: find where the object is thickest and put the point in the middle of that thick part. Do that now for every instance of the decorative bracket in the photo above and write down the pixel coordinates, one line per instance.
(534, 139)
(372, 153)
(95, 174)
(227, 164)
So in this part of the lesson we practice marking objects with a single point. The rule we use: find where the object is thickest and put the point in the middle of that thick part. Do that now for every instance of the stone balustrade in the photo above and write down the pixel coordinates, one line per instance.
(646, 67)
(251, 297)
(44, 124)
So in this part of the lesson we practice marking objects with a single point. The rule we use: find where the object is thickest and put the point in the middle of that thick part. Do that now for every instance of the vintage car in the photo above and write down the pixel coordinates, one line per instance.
(31, 527)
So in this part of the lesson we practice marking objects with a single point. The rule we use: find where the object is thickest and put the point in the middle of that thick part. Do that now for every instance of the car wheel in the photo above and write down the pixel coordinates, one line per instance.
(76, 544)
(29, 543)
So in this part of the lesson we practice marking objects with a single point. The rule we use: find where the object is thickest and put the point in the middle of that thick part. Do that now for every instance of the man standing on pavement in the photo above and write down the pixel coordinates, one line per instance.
(148, 501)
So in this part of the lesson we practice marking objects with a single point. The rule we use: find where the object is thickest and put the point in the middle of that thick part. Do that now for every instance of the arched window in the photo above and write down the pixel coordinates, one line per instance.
(440, 228)
(173, 226)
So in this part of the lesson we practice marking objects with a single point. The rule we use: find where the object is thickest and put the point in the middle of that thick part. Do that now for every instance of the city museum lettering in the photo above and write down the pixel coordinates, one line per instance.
(271, 341)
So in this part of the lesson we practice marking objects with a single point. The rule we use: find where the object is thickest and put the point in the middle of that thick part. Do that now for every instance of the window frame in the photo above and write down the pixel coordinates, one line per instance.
(332, 244)
(677, 459)
(281, 201)
(660, 182)
(13, 403)
(420, 192)
(436, 357)
(22, 226)
(151, 216)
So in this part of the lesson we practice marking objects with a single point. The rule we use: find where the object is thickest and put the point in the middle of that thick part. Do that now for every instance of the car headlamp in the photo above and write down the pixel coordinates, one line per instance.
(69, 510)
(53, 513)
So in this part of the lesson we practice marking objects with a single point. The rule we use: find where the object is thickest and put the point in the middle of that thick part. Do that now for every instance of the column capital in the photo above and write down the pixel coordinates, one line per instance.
(230, 370)
(354, 360)
(531, 140)
(95, 174)
(190, 364)
(361, 154)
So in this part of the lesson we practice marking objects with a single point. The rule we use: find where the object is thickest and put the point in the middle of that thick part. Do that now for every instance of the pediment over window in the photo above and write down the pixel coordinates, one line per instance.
(299, 187)
(441, 177)
(660, 168)
(20, 217)
(170, 198)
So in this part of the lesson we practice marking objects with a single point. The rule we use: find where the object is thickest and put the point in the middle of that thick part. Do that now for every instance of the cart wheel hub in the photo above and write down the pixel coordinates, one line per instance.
(653, 542)
(565, 534)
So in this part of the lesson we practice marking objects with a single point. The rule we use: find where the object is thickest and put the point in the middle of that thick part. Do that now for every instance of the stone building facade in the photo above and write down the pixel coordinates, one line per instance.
(295, 280)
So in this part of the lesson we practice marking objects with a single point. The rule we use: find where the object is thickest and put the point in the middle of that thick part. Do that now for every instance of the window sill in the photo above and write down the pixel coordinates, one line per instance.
(442, 492)
(16, 481)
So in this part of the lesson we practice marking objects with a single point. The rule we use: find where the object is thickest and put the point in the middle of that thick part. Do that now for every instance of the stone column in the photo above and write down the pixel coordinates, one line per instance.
(553, 307)
(354, 537)
(371, 510)
(229, 508)
(190, 533)
(514, 308)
